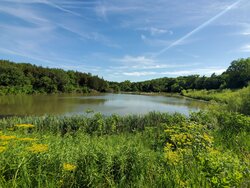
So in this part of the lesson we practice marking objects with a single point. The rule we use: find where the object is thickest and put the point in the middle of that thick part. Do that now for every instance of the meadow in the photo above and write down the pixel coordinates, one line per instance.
(206, 149)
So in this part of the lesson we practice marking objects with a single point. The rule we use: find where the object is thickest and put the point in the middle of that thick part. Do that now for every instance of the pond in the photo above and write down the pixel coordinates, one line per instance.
(69, 104)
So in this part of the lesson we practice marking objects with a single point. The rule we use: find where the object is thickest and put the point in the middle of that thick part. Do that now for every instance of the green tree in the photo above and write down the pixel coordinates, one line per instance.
(238, 73)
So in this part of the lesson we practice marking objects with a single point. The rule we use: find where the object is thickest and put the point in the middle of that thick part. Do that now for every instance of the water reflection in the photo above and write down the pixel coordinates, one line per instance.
(106, 104)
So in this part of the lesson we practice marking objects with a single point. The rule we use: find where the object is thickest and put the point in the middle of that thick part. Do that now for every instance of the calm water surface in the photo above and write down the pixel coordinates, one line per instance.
(107, 104)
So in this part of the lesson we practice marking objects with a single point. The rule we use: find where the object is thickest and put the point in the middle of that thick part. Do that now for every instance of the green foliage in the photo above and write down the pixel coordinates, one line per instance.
(14, 77)
(192, 142)
(234, 100)
(153, 150)
(238, 73)
(45, 80)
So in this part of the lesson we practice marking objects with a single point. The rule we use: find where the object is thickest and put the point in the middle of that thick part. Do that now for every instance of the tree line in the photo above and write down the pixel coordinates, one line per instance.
(236, 76)
(26, 78)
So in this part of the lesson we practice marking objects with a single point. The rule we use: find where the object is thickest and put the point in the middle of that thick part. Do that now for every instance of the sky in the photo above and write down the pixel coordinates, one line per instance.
(126, 39)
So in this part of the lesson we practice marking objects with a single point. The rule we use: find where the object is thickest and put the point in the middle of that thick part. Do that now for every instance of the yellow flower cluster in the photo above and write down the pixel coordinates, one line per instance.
(27, 139)
(38, 148)
(185, 140)
(182, 139)
(173, 157)
(69, 167)
(25, 126)
(5, 137)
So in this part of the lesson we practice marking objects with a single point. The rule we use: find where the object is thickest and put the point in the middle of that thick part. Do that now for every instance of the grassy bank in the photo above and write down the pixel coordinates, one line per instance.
(234, 100)
(153, 150)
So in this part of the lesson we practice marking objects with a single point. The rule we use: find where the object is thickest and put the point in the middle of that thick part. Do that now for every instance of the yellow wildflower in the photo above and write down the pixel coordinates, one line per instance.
(38, 148)
(27, 139)
(5, 137)
(69, 167)
(2, 149)
(25, 125)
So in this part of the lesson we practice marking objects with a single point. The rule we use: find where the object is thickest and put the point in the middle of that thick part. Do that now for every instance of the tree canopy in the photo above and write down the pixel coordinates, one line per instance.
(26, 78)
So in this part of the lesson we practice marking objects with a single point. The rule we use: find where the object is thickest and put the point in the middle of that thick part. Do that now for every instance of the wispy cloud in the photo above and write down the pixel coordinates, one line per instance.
(197, 29)
(245, 48)
(246, 29)
(49, 3)
(90, 35)
(26, 55)
(46, 2)
(139, 73)
(25, 14)
(131, 60)
(65, 33)
(201, 71)
(103, 9)
(154, 31)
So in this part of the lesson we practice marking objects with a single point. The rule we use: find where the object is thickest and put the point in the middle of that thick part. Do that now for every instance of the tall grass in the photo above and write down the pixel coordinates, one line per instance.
(235, 100)
(130, 151)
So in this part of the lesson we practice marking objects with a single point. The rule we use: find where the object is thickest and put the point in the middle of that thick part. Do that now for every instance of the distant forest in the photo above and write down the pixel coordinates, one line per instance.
(17, 78)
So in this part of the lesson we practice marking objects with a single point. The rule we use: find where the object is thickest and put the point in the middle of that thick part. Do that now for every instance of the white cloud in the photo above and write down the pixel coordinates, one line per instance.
(25, 14)
(139, 73)
(46, 2)
(142, 60)
(246, 30)
(197, 29)
(201, 71)
(245, 48)
(156, 31)
(49, 3)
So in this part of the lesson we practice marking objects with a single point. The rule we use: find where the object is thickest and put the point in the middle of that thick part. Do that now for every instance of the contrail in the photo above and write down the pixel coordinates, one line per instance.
(197, 29)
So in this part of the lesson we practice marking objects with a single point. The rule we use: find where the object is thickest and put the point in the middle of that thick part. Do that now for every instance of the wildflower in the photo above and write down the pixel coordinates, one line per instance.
(2, 149)
(27, 139)
(38, 148)
(5, 137)
(25, 126)
(69, 167)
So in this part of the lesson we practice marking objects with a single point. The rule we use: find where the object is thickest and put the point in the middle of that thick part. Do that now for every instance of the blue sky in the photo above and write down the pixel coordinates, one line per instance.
(126, 40)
